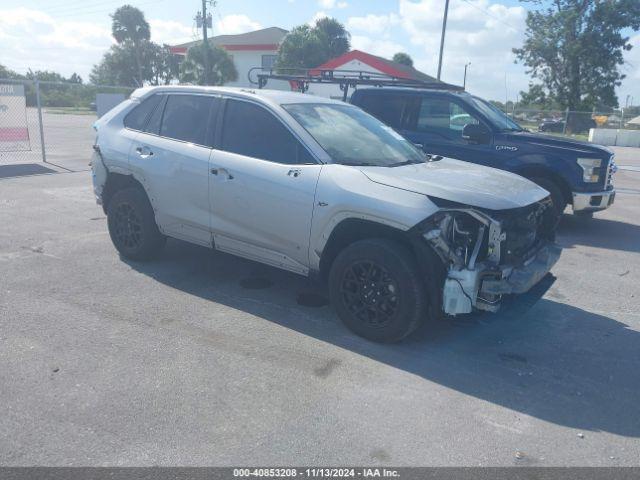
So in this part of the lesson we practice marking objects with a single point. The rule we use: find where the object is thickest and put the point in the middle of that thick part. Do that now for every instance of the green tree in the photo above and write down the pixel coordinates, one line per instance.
(221, 67)
(308, 47)
(119, 65)
(165, 66)
(575, 48)
(8, 73)
(129, 26)
(334, 37)
(403, 58)
(75, 78)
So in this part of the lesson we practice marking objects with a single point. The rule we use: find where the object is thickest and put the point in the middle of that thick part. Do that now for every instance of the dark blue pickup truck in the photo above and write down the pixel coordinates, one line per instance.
(459, 125)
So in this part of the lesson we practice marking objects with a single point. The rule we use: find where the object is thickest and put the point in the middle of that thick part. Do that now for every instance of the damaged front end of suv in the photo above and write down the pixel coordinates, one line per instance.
(487, 253)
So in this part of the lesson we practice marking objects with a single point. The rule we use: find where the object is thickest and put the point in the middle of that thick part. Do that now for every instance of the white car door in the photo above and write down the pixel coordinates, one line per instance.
(172, 156)
(262, 187)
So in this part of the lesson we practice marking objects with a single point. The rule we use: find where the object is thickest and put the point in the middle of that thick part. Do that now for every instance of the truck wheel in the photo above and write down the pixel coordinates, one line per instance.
(377, 290)
(557, 198)
(132, 225)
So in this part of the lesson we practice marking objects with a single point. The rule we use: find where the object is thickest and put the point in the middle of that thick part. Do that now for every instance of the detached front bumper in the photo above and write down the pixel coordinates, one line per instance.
(593, 201)
(483, 287)
(521, 279)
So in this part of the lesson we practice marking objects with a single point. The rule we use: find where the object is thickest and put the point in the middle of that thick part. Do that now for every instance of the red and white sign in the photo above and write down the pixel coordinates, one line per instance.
(14, 131)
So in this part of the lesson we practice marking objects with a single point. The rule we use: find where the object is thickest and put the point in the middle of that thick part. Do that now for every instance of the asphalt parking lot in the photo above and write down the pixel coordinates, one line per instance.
(201, 358)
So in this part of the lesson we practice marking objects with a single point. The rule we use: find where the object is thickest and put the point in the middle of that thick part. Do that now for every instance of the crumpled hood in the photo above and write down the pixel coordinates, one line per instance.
(461, 182)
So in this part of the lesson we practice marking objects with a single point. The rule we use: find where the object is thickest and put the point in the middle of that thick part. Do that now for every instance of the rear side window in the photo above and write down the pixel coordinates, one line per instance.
(389, 109)
(137, 118)
(253, 131)
(186, 118)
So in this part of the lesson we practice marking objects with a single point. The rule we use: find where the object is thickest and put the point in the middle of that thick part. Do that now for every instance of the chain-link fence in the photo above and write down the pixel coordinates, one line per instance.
(52, 121)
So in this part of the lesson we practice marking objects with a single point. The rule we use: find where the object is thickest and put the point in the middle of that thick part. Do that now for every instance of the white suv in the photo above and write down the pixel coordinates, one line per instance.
(319, 187)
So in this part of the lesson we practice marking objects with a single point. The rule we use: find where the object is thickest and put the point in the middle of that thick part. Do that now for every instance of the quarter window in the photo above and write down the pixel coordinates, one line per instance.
(252, 131)
(186, 118)
(153, 125)
(137, 118)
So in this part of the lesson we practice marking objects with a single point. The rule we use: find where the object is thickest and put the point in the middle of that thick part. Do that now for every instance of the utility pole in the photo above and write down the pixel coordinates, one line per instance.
(464, 83)
(206, 42)
(204, 20)
(444, 28)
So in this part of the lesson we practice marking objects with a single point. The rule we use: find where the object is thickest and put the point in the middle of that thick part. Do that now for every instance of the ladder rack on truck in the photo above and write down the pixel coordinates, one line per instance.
(300, 78)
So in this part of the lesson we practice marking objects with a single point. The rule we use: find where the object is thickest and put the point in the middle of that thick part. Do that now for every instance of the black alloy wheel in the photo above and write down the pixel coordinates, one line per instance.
(370, 293)
(132, 225)
(378, 290)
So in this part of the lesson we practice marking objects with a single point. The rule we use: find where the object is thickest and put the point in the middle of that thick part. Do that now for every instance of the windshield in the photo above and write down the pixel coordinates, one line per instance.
(353, 137)
(495, 115)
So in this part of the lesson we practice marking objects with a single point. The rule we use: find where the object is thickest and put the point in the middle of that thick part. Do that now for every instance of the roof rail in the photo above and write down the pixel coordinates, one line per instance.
(302, 77)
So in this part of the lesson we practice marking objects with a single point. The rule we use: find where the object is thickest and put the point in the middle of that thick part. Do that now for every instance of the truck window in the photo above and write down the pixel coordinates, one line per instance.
(389, 109)
(442, 116)
(186, 117)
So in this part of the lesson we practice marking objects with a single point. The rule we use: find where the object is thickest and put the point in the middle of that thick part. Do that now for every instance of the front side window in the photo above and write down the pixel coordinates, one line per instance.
(353, 137)
(443, 116)
(186, 118)
(495, 115)
(137, 118)
(253, 131)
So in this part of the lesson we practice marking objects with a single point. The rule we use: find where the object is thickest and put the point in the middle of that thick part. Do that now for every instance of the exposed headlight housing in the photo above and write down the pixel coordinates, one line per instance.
(589, 169)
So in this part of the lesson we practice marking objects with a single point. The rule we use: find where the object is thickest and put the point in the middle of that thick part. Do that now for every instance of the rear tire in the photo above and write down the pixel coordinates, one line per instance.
(557, 198)
(132, 225)
(377, 290)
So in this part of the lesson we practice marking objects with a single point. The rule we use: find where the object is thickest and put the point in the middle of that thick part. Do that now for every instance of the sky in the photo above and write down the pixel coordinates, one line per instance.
(71, 35)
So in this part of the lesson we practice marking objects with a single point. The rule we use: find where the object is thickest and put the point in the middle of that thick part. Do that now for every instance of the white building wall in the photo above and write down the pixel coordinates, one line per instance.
(333, 90)
(245, 60)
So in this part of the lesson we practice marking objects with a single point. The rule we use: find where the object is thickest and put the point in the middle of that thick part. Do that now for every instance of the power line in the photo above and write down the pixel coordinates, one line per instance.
(78, 6)
(76, 12)
(489, 14)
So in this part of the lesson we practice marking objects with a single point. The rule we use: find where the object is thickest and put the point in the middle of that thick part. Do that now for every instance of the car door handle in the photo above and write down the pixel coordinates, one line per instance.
(222, 172)
(144, 152)
(419, 145)
(294, 172)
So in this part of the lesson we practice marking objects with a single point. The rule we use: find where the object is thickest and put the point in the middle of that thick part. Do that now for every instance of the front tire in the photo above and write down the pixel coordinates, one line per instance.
(132, 225)
(377, 290)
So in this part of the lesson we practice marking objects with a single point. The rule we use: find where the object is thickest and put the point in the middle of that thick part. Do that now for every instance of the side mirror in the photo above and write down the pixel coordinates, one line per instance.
(475, 133)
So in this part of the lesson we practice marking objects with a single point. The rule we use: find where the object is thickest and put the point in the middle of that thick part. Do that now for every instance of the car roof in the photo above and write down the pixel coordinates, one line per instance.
(275, 97)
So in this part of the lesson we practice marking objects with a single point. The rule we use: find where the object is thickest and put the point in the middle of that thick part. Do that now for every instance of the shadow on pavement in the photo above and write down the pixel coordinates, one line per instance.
(537, 357)
(23, 170)
(599, 233)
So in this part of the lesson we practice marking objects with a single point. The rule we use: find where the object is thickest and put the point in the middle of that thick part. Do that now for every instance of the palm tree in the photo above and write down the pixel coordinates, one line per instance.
(129, 25)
